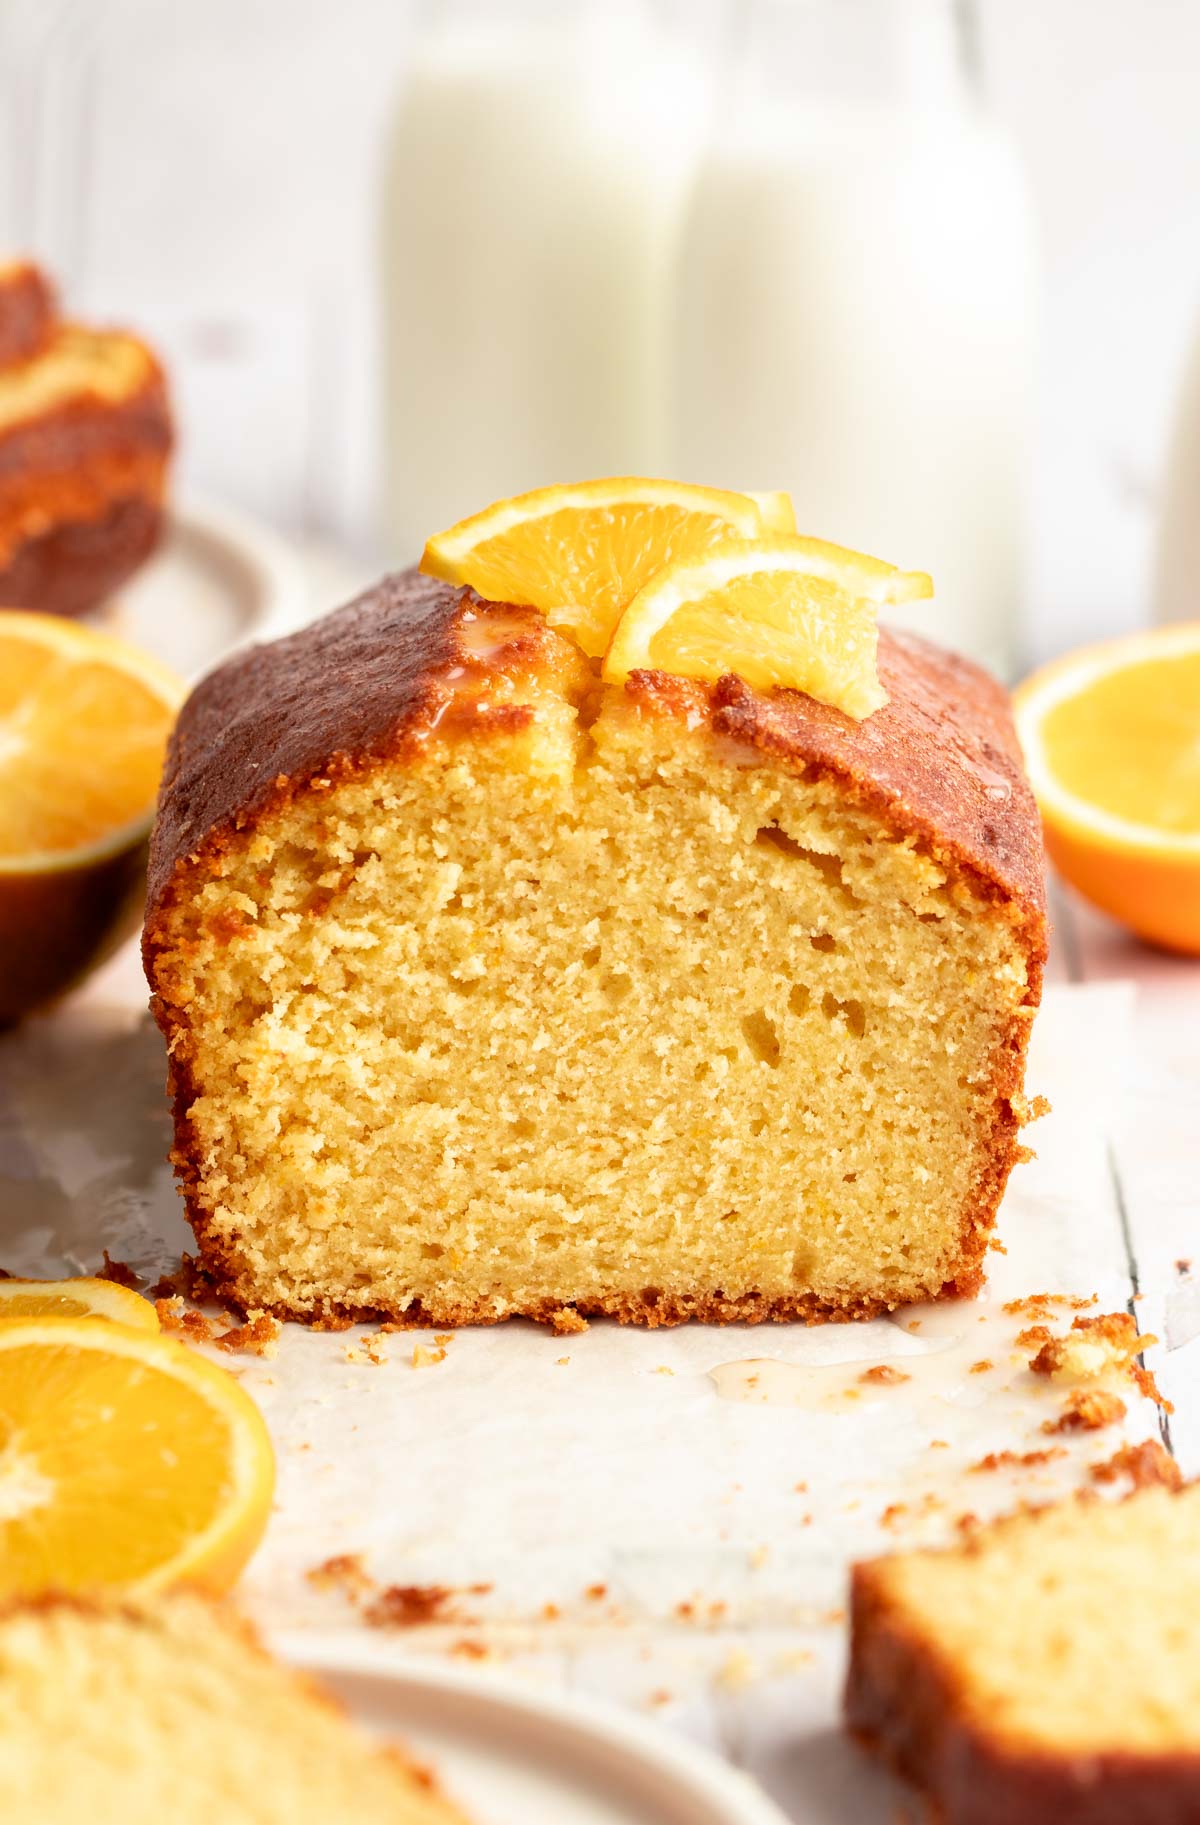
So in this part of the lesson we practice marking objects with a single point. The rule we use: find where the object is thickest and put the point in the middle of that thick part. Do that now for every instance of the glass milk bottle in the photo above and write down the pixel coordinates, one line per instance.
(533, 190)
(1177, 562)
(855, 302)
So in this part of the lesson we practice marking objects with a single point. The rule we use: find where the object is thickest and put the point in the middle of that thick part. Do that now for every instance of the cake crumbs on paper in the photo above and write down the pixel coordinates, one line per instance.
(442, 1338)
(1087, 1410)
(1019, 1460)
(884, 1375)
(939, 1444)
(259, 1336)
(982, 1366)
(1106, 1344)
(566, 1320)
(1042, 1305)
(180, 1320)
(1146, 1465)
(560, 1362)
(368, 1349)
(120, 1273)
(596, 1593)
(344, 1572)
(188, 1280)
(407, 1606)
(423, 1358)
(661, 1697)
(758, 1558)
(664, 1369)
(550, 1612)
(1183, 1266)
(469, 1649)
(997, 1246)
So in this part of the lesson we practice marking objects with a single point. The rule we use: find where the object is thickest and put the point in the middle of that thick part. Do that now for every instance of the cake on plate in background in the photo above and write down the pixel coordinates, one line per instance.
(85, 443)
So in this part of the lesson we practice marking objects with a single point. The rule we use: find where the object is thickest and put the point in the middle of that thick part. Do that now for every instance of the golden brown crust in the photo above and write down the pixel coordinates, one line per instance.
(78, 563)
(906, 1704)
(374, 681)
(414, 658)
(28, 312)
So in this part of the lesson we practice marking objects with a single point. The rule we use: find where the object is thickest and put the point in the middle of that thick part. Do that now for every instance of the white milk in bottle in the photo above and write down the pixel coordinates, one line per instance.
(855, 304)
(532, 198)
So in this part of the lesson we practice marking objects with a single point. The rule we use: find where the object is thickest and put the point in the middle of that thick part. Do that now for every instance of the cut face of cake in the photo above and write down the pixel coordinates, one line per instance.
(1043, 1672)
(124, 1713)
(492, 990)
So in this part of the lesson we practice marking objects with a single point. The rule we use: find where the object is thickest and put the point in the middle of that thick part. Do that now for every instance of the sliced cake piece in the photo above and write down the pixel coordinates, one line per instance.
(85, 438)
(492, 990)
(28, 311)
(128, 1713)
(1043, 1672)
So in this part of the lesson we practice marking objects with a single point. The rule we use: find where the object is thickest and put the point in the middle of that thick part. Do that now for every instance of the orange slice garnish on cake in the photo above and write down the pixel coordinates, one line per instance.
(582, 551)
(776, 611)
(84, 720)
(776, 509)
(126, 1461)
(1111, 736)
(76, 1298)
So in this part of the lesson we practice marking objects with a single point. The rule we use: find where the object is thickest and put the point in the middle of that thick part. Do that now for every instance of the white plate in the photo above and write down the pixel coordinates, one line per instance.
(513, 1756)
(218, 580)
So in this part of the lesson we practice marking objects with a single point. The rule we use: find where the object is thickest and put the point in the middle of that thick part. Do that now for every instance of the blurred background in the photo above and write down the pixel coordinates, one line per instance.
(934, 267)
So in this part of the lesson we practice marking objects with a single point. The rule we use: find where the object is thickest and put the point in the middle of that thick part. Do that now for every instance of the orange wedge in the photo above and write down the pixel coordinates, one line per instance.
(84, 720)
(78, 1298)
(126, 1461)
(781, 610)
(1111, 736)
(580, 552)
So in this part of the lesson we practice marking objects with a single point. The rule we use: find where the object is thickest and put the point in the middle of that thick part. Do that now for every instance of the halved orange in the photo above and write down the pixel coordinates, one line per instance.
(84, 720)
(126, 1461)
(581, 551)
(780, 610)
(1111, 735)
(77, 1298)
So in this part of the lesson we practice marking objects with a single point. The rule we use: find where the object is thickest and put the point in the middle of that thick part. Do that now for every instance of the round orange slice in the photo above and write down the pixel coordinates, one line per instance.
(77, 1298)
(1111, 735)
(776, 611)
(126, 1461)
(84, 720)
(580, 552)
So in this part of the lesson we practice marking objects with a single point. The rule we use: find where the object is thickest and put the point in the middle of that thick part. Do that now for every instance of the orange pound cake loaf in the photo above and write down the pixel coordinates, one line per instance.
(123, 1712)
(1044, 1671)
(492, 988)
(85, 439)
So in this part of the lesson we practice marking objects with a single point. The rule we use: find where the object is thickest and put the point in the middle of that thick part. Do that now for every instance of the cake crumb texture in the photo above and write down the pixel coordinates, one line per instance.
(489, 991)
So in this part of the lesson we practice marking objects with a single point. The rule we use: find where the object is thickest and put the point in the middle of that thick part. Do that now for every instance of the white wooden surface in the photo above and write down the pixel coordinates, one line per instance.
(208, 170)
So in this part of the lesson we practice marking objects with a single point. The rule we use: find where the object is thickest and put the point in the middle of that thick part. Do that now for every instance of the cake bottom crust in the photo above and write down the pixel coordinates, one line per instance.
(76, 564)
(903, 1705)
(651, 1307)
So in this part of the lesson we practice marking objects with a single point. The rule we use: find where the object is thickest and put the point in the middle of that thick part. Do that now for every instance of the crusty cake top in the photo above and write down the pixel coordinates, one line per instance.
(413, 656)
